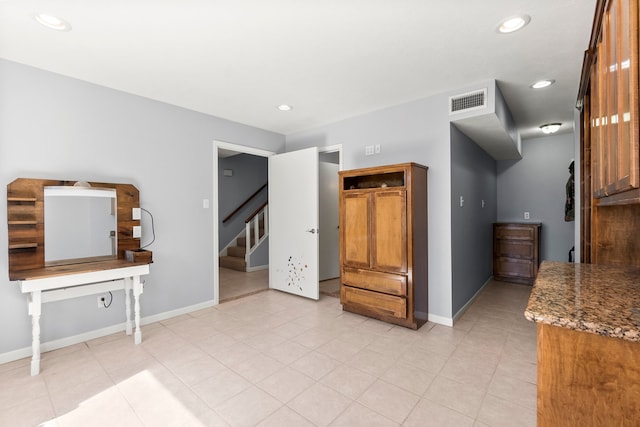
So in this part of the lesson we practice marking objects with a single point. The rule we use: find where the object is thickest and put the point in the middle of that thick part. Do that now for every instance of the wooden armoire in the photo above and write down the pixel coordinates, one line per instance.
(383, 243)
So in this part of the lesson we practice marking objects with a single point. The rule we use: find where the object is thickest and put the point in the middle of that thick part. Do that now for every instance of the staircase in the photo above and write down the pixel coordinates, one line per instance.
(236, 257)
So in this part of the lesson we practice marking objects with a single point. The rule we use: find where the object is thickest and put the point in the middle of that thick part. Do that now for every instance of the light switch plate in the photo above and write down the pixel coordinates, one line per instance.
(136, 213)
(137, 231)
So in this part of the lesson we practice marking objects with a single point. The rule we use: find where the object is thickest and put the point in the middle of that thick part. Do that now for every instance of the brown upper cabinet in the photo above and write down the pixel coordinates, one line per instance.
(612, 72)
(610, 161)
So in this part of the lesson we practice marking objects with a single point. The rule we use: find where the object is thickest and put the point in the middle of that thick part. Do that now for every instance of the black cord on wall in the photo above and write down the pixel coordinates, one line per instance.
(110, 301)
(153, 229)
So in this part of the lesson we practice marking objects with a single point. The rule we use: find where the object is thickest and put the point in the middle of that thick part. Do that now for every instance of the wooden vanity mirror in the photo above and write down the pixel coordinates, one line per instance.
(66, 222)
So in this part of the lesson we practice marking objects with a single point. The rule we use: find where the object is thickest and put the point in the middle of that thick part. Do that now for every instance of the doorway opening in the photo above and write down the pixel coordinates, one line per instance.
(229, 284)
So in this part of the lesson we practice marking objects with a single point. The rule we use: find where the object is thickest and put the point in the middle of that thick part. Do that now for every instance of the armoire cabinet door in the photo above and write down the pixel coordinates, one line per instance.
(356, 230)
(389, 217)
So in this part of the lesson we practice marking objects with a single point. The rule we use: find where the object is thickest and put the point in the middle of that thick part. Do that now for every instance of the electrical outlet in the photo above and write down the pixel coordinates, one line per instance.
(102, 301)
(526, 215)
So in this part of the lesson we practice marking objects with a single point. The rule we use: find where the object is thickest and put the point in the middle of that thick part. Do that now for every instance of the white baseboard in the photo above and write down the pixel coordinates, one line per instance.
(441, 320)
(471, 301)
(87, 336)
(257, 267)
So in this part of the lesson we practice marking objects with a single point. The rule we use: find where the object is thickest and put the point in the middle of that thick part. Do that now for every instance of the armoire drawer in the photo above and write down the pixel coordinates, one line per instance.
(393, 284)
(384, 304)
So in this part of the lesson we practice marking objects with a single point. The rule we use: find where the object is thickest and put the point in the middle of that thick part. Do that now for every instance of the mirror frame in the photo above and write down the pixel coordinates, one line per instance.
(25, 221)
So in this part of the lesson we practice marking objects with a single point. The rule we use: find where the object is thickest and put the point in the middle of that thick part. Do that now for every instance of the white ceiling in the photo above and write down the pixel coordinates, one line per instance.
(330, 59)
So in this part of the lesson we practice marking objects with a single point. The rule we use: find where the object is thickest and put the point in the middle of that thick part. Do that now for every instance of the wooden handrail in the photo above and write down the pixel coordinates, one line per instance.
(256, 212)
(228, 217)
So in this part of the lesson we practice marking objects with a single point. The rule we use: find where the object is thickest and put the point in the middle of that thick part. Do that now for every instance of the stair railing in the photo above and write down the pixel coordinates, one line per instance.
(243, 204)
(252, 229)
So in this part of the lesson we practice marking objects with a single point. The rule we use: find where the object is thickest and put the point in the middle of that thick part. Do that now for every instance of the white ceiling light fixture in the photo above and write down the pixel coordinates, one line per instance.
(52, 22)
(285, 107)
(541, 84)
(550, 128)
(513, 23)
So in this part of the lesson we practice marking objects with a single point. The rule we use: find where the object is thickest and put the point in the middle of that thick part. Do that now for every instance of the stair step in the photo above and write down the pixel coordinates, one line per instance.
(236, 251)
(233, 263)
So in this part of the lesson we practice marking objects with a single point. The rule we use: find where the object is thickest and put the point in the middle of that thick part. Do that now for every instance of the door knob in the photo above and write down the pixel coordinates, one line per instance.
(313, 231)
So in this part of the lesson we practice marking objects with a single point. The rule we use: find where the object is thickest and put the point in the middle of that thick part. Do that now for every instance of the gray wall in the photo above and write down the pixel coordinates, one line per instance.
(249, 174)
(56, 127)
(413, 132)
(473, 176)
(536, 184)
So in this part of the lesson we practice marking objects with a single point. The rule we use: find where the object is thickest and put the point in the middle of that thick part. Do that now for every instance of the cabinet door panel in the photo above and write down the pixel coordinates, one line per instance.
(610, 37)
(355, 231)
(627, 162)
(615, 155)
(390, 231)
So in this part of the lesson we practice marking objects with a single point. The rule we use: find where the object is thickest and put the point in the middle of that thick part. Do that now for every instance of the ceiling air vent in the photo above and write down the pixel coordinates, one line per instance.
(468, 101)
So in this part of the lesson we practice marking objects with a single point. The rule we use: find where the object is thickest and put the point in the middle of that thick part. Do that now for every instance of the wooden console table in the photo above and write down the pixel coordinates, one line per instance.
(70, 281)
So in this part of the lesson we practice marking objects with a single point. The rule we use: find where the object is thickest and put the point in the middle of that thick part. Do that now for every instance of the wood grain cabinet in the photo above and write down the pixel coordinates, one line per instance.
(516, 252)
(614, 101)
(383, 243)
(610, 163)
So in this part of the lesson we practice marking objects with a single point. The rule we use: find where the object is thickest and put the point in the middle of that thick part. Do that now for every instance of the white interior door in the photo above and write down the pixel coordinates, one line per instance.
(293, 222)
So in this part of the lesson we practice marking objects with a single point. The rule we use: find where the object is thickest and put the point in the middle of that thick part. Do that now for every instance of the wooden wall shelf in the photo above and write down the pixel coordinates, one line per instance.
(23, 246)
(21, 199)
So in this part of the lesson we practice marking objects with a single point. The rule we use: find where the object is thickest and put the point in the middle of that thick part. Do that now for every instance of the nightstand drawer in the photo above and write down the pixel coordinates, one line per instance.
(514, 249)
(515, 232)
(376, 302)
(393, 284)
(517, 268)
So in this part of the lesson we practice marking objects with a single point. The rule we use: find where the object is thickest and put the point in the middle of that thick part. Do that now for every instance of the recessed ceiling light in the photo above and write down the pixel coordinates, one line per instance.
(550, 128)
(52, 22)
(513, 23)
(540, 84)
(285, 107)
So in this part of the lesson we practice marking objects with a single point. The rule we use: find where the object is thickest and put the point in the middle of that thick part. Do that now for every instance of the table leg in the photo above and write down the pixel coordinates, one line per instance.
(127, 304)
(35, 309)
(138, 288)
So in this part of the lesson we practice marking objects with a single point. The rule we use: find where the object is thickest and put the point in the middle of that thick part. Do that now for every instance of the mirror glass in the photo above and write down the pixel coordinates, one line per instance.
(80, 224)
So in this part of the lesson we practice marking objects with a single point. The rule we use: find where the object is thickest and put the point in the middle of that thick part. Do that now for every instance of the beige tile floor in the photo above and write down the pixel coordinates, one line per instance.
(272, 359)
(235, 284)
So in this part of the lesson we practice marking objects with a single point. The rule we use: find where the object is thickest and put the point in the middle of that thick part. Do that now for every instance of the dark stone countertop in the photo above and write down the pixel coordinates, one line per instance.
(593, 298)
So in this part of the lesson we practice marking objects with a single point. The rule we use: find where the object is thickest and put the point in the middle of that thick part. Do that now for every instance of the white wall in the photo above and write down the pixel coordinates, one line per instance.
(413, 132)
(56, 127)
(536, 184)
